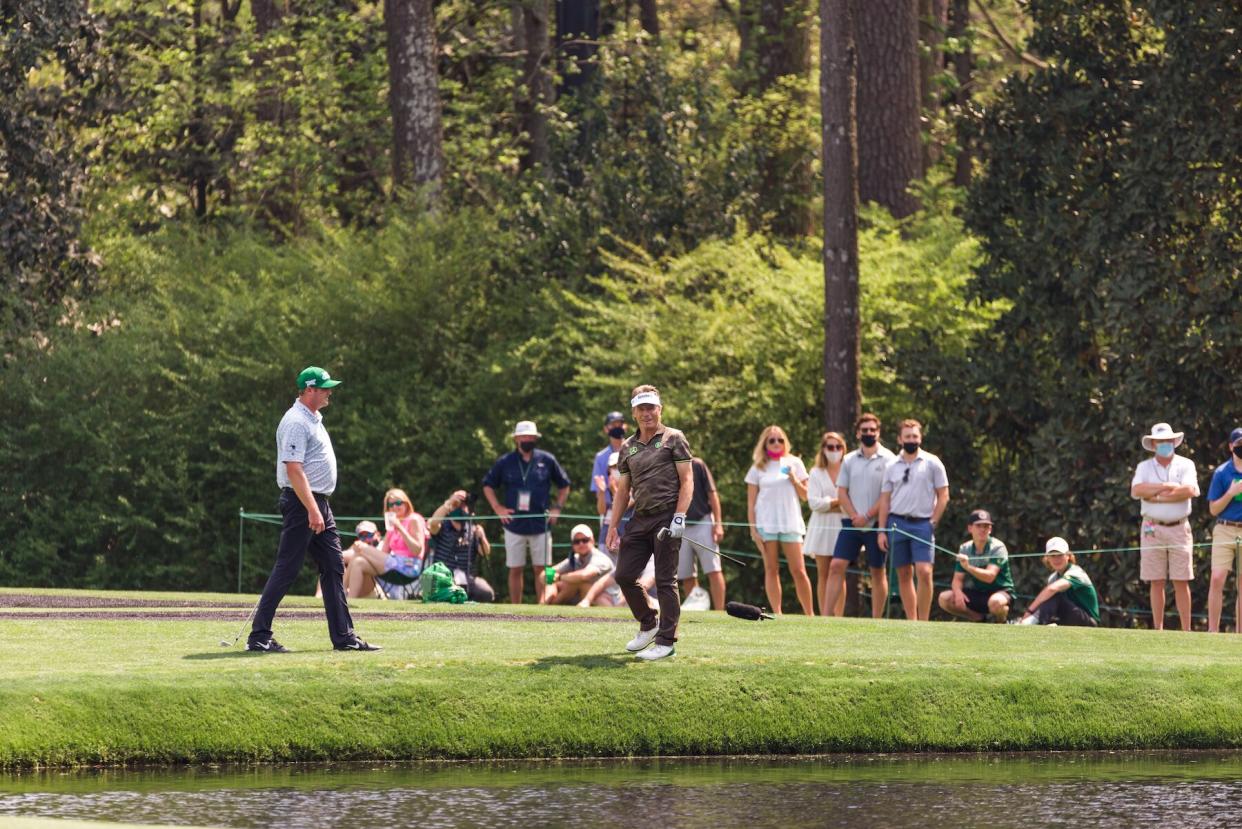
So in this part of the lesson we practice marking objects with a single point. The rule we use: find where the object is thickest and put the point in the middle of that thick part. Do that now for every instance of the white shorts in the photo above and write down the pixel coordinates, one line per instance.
(708, 562)
(517, 546)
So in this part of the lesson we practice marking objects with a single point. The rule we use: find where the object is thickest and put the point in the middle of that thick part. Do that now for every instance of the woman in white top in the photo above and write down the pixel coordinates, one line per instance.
(775, 490)
(821, 535)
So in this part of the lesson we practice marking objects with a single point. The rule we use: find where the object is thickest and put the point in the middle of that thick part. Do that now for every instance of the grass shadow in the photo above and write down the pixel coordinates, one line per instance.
(223, 654)
(586, 660)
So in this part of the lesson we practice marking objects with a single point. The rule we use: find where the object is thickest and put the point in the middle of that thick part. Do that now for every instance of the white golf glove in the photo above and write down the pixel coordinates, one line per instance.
(678, 527)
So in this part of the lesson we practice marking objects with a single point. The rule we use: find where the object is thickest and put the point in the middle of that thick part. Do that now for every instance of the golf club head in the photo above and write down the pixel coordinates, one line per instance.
(225, 644)
(663, 533)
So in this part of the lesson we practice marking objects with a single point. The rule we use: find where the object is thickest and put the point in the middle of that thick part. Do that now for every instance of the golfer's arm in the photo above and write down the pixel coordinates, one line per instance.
(685, 474)
(300, 485)
(620, 499)
(942, 501)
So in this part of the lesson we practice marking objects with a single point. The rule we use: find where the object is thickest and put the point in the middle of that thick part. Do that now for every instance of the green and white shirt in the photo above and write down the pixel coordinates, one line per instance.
(994, 552)
(1081, 591)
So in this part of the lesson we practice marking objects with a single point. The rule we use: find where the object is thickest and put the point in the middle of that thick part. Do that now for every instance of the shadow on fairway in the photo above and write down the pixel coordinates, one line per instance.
(228, 654)
(586, 660)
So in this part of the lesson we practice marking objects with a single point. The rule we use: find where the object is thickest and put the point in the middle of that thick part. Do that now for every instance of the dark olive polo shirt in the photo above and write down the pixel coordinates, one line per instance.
(652, 468)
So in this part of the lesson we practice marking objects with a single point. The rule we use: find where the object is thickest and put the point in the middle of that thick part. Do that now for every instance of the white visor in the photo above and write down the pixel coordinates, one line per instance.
(646, 397)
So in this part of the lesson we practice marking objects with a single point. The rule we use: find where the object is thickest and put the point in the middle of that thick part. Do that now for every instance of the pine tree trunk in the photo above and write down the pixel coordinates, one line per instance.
(890, 154)
(649, 17)
(933, 21)
(963, 69)
(838, 91)
(414, 96)
(536, 81)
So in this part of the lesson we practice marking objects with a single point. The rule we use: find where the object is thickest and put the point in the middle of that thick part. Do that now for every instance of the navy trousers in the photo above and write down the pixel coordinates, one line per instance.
(296, 538)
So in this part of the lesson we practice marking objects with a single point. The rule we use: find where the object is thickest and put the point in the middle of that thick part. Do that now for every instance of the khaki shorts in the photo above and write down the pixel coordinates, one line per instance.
(1165, 552)
(517, 546)
(1225, 547)
(688, 554)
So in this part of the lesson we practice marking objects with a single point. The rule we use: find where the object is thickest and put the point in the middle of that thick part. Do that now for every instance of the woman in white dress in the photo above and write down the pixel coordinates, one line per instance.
(821, 533)
(775, 489)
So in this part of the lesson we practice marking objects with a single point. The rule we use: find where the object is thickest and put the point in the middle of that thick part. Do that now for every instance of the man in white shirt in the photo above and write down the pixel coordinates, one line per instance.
(1165, 483)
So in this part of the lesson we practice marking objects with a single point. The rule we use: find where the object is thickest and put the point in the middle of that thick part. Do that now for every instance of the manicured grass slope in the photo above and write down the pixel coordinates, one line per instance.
(117, 691)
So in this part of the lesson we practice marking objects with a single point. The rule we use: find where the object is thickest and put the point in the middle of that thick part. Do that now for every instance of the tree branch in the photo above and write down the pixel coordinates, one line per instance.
(1025, 57)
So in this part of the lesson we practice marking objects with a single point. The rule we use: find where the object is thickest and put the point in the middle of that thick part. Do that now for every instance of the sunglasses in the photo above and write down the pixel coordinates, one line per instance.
(905, 476)
(395, 503)
(367, 536)
(582, 541)
(776, 440)
(833, 447)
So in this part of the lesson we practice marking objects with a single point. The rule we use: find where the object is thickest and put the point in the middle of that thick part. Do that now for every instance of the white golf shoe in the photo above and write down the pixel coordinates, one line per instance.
(656, 652)
(642, 640)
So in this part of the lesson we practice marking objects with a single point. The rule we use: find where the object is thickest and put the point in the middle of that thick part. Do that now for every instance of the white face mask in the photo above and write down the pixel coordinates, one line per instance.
(833, 457)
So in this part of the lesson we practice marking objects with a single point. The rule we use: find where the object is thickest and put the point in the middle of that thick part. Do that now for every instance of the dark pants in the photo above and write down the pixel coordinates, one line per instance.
(325, 548)
(1064, 612)
(637, 545)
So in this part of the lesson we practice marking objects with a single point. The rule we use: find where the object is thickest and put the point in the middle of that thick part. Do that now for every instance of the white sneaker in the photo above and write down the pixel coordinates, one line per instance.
(656, 652)
(642, 640)
(697, 599)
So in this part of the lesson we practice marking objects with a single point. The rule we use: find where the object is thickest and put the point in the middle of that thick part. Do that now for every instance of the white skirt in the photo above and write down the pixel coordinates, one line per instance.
(821, 533)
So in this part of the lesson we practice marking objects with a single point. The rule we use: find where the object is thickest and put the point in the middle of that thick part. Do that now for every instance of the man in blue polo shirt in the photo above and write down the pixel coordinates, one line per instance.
(526, 475)
(1225, 503)
(614, 428)
(306, 475)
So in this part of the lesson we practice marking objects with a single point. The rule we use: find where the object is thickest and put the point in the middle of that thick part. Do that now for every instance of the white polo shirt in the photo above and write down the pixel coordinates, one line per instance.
(1181, 470)
(302, 438)
(862, 477)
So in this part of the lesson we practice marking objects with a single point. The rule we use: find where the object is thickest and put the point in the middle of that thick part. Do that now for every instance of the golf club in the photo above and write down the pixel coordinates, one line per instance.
(664, 533)
(224, 643)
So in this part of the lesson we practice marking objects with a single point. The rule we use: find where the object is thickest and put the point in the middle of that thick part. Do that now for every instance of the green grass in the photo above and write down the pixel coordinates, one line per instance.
(124, 691)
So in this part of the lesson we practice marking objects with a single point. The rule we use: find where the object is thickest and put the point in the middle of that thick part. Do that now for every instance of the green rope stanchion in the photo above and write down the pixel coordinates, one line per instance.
(241, 537)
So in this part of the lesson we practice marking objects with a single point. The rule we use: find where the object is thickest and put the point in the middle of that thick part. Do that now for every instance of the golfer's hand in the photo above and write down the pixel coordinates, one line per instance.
(677, 527)
(883, 540)
(613, 541)
(316, 520)
(506, 514)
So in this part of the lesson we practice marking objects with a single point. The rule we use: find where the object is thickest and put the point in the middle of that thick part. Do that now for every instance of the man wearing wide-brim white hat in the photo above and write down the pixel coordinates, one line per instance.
(526, 475)
(1165, 483)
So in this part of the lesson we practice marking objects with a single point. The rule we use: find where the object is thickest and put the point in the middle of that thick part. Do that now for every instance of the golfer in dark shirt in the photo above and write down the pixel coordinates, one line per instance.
(655, 469)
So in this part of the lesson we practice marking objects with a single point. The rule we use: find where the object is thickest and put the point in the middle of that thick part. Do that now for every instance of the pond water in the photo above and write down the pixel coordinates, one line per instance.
(1197, 789)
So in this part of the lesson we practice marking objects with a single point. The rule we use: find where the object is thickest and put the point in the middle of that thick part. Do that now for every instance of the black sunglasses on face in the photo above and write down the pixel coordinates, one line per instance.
(366, 536)
(832, 447)
(395, 503)
(582, 541)
(776, 440)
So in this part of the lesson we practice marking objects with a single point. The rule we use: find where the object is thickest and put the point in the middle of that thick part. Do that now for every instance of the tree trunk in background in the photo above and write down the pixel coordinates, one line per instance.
(536, 82)
(963, 68)
(842, 335)
(649, 17)
(278, 203)
(577, 41)
(414, 95)
(890, 154)
(838, 97)
(933, 23)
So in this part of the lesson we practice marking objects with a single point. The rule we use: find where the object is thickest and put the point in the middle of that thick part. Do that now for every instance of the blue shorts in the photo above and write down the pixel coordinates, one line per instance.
(851, 542)
(908, 550)
(788, 537)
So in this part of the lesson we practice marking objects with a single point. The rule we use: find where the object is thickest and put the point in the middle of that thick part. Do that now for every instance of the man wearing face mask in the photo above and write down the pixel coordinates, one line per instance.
(527, 475)
(1225, 503)
(913, 497)
(614, 428)
(858, 490)
(1165, 483)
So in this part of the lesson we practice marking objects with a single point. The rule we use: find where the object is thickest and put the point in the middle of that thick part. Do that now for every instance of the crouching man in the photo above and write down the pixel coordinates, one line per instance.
(574, 576)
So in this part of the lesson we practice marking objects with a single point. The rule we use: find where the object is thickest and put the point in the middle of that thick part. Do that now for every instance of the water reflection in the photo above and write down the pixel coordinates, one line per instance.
(1120, 790)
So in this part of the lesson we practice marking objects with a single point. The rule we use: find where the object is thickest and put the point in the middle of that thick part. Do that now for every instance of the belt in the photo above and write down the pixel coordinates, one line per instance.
(1222, 522)
(910, 517)
(290, 490)
(1177, 523)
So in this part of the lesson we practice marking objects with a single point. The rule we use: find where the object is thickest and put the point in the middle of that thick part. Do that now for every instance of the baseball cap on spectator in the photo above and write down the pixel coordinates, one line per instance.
(980, 516)
(581, 529)
(366, 527)
(1235, 436)
(612, 417)
(525, 428)
(313, 377)
(1056, 544)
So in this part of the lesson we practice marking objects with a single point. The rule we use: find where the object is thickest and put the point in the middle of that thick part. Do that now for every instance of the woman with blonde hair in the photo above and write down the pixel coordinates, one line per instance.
(775, 489)
(1070, 598)
(399, 556)
(825, 526)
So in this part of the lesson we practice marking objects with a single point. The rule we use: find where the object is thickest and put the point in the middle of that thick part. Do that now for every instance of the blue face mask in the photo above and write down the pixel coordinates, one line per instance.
(1164, 450)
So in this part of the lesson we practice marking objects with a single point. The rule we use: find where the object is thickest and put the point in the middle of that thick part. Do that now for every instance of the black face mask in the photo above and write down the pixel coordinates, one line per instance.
(869, 440)
(909, 447)
(526, 446)
(617, 432)
(1237, 451)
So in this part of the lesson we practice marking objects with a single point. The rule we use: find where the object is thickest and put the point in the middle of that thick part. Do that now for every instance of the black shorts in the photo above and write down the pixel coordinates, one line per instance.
(977, 600)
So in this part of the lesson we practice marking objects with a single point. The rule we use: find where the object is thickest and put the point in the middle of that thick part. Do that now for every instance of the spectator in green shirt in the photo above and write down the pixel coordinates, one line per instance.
(982, 584)
(1069, 598)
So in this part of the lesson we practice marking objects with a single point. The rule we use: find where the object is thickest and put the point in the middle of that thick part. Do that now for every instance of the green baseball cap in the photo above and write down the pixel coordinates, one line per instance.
(313, 377)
